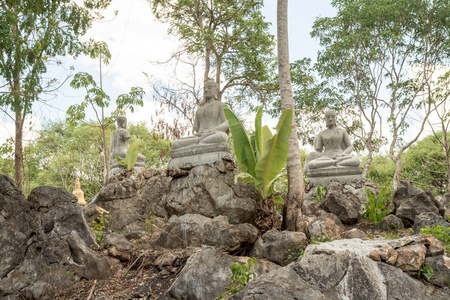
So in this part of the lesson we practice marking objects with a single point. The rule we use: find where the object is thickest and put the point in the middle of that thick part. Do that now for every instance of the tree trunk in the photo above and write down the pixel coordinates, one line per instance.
(398, 170)
(292, 220)
(368, 162)
(445, 147)
(18, 151)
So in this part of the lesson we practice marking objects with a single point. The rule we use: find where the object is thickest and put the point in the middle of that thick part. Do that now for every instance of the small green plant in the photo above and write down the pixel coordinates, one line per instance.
(149, 223)
(426, 271)
(377, 206)
(241, 275)
(100, 225)
(392, 235)
(319, 239)
(442, 233)
(130, 158)
(293, 256)
(321, 191)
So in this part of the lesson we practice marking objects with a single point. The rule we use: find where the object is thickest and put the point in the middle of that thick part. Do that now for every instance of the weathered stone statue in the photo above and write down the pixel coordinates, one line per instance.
(335, 162)
(209, 143)
(78, 192)
(120, 142)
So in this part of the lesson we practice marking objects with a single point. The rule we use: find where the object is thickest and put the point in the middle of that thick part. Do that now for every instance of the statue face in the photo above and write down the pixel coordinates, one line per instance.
(330, 118)
(210, 90)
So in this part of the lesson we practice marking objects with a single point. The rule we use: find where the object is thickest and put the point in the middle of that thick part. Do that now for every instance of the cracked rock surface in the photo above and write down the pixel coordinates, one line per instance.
(44, 239)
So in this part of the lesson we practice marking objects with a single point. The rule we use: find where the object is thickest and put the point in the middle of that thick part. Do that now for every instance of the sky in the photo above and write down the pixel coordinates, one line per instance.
(136, 41)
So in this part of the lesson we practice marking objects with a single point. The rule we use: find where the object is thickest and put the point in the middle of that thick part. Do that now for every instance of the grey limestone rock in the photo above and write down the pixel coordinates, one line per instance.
(283, 284)
(206, 275)
(131, 200)
(428, 219)
(410, 202)
(391, 223)
(45, 241)
(209, 190)
(323, 227)
(441, 270)
(277, 245)
(341, 202)
(196, 230)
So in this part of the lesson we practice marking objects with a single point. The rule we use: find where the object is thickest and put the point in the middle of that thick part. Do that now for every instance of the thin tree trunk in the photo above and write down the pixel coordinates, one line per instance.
(445, 147)
(398, 170)
(368, 162)
(292, 220)
(18, 150)
(102, 125)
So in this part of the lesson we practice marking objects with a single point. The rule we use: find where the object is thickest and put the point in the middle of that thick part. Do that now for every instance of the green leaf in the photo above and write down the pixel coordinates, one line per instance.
(258, 133)
(131, 157)
(242, 146)
(275, 158)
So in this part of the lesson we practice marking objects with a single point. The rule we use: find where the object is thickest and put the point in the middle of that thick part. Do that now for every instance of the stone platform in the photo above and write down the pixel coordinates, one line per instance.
(187, 158)
(341, 174)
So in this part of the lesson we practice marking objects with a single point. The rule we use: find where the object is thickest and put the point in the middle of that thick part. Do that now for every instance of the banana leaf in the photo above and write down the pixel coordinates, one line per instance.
(275, 153)
(243, 149)
(130, 158)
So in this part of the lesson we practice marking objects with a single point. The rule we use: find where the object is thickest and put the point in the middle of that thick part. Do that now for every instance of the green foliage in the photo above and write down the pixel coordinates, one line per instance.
(381, 170)
(62, 152)
(442, 233)
(426, 271)
(262, 162)
(100, 225)
(377, 206)
(151, 144)
(425, 165)
(32, 35)
(321, 191)
(319, 239)
(241, 275)
(130, 158)
(149, 223)
(231, 36)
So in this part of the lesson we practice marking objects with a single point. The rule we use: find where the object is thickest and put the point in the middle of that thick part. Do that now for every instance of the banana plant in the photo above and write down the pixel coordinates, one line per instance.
(261, 156)
(130, 158)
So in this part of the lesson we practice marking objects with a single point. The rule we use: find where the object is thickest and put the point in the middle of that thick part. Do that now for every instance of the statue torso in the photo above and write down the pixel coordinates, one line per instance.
(209, 116)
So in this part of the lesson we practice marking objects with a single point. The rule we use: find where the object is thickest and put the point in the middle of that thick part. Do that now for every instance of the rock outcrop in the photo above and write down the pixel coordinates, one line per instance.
(131, 200)
(45, 241)
(209, 190)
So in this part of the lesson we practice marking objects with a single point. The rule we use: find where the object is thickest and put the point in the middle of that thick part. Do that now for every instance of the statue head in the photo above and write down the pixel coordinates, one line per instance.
(330, 118)
(211, 89)
(121, 122)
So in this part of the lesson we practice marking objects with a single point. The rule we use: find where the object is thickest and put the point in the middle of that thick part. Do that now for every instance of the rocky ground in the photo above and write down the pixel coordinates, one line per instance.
(142, 278)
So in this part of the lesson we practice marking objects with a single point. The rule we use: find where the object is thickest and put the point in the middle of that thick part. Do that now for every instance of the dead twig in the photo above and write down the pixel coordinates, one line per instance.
(92, 290)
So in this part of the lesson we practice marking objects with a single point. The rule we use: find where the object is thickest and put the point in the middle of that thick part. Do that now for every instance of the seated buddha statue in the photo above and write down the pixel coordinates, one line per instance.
(210, 125)
(336, 146)
(120, 142)
(209, 143)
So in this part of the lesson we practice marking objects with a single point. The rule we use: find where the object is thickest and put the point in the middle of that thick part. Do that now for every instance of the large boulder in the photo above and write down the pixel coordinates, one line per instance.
(281, 247)
(342, 202)
(410, 202)
(343, 275)
(284, 284)
(428, 219)
(45, 241)
(441, 270)
(209, 190)
(206, 275)
(130, 199)
(196, 230)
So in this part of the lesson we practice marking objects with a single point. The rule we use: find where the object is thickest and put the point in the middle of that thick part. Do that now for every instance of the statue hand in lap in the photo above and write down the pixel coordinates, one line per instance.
(336, 146)
(210, 124)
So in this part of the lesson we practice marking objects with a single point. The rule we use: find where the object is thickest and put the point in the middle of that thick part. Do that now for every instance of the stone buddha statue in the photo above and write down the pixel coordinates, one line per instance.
(210, 124)
(211, 133)
(333, 153)
(120, 142)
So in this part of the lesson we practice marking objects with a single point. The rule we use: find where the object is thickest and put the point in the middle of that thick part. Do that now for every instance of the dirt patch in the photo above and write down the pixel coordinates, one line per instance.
(139, 278)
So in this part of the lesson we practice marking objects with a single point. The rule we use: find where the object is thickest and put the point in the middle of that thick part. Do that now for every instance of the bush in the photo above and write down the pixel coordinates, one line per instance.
(377, 206)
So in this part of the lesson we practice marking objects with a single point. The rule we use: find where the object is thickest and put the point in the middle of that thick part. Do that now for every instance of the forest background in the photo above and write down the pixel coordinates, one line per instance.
(60, 145)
